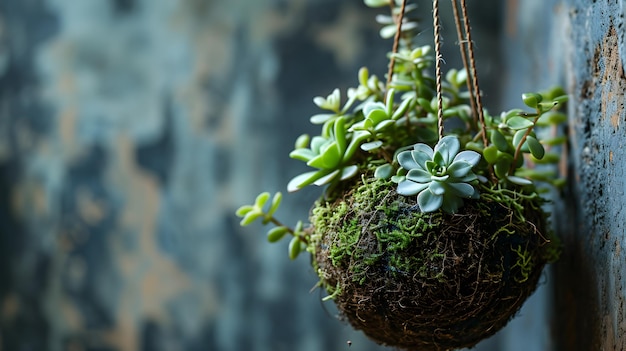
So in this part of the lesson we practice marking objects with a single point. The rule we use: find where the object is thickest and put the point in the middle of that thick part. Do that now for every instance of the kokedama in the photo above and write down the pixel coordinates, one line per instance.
(425, 238)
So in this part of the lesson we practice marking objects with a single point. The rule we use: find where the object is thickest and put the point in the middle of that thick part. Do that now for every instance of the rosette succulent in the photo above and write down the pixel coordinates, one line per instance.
(441, 177)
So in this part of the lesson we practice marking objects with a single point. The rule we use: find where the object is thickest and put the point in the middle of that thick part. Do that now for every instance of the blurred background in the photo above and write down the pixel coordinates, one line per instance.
(130, 131)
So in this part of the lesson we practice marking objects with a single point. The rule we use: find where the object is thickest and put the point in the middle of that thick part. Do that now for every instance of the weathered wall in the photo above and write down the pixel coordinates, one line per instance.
(582, 45)
(132, 129)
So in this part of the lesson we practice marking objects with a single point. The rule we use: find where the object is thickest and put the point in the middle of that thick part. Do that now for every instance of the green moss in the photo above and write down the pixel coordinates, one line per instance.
(375, 232)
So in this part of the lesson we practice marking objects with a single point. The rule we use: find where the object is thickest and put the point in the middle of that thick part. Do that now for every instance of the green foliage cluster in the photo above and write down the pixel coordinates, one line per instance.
(392, 131)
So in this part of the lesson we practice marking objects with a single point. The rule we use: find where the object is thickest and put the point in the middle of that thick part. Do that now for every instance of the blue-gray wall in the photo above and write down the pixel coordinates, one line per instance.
(130, 130)
(582, 45)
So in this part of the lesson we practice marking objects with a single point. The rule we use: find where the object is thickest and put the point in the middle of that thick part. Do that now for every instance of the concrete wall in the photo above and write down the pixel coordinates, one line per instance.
(130, 130)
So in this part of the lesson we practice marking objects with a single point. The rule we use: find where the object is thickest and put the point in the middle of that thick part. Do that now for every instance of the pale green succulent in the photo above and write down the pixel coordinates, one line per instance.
(441, 178)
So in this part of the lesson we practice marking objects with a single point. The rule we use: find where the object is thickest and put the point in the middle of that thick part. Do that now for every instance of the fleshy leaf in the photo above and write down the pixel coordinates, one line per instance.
(304, 179)
(250, 217)
(462, 189)
(372, 145)
(419, 176)
(448, 146)
(490, 153)
(517, 123)
(471, 157)
(429, 202)
(519, 180)
(459, 169)
(370, 107)
(302, 142)
(382, 125)
(499, 140)
(407, 161)
(377, 3)
(243, 210)
(275, 234)
(531, 99)
(408, 188)
(294, 247)
(422, 157)
(349, 172)
(321, 118)
(437, 188)
(327, 178)
(261, 199)
(276, 200)
(302, 154)
(404, 105)
(536, 149)
(377, 116)
(384, 172)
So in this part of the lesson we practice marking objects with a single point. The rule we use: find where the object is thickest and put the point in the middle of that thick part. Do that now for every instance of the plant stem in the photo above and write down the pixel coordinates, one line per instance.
(518, 149)
(303, 238)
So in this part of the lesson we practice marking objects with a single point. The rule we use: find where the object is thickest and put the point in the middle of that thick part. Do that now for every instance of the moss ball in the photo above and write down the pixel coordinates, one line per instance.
(429, 281)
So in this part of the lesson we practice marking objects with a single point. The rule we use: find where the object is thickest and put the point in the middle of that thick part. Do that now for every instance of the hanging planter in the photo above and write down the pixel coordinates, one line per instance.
(430, 233)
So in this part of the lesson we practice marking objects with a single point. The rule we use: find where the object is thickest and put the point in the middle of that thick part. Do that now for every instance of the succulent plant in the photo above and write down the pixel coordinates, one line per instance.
(441, 177)
(390, 131)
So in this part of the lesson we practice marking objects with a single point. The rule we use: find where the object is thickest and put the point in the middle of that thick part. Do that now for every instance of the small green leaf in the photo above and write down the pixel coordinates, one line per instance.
(474, 146)
(490, 154)
(549, 157)
(302, 154)
(250, 217)
(429, 202)
(377, 3)
(501, 167)
(517, 138)
(519, 180)
(302, 142)
(243, 210)
(276, 200)
(304, 179)
(531, 99)
(357, 139)
(382, 125)
(294, 247)
(348, 172)
(536, 149)
(383, 172)
(517, 123)
(363, 76)
(321, 118)
(425, 104)
(261, 199)
(327, 178)
(388, 32)
(275, 234)
(560, 140)
(560, 99)
(499, 140)
(372, 145)
(398, 179)
(404, 106)
(377, 116)
(552, 118)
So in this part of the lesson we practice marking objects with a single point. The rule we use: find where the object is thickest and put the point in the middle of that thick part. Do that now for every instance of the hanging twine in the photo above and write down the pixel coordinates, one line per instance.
(438, 61)
(475, 92)
(396, 43)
